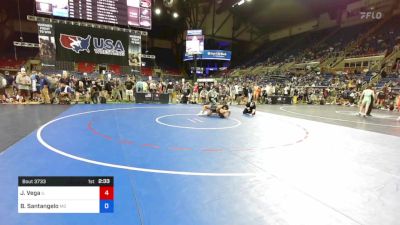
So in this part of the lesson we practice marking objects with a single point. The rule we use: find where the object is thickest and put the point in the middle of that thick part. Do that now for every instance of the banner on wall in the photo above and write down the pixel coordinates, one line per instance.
(211, 55)
(135, 50)
(75, 43)
(47, 44)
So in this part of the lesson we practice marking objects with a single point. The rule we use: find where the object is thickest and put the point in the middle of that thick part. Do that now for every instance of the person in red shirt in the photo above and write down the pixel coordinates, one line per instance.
(196, 92)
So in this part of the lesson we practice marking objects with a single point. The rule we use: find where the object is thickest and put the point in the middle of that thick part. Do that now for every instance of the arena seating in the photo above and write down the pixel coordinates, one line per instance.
(11, 64)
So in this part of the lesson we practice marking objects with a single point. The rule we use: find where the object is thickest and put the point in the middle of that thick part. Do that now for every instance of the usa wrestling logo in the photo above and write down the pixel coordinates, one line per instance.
(101, 46)
(75, 43)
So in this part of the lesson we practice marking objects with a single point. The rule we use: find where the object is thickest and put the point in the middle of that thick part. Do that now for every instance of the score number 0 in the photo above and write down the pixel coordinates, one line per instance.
(106, 197)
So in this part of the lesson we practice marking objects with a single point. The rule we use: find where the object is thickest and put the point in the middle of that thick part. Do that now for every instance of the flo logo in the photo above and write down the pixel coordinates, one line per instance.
(371, 15)
(75, 43)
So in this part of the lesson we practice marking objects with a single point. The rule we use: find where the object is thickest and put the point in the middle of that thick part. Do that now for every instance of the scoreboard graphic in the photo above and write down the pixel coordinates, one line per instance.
(136, 13)
(65, 194)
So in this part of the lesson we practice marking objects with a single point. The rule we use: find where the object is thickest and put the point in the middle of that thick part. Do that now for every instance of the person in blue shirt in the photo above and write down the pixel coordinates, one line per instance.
(44, 88)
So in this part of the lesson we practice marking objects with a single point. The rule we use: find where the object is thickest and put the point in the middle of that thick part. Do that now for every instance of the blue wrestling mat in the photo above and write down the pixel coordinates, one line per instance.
(170, 166)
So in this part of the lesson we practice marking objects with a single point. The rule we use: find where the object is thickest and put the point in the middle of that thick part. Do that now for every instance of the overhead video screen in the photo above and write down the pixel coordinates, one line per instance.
(135, 13)
(194, 44)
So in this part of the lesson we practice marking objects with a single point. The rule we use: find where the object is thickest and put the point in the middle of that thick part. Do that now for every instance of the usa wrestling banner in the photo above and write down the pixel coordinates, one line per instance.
(77, 43)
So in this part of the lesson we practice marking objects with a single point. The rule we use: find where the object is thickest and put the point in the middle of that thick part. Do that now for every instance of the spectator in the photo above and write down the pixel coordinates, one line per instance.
(3, 84)
(24, 84)
(170, 90)
(44, 88)
(64, 94)
(203, 96)
(94, 92)
(35, 88)
(10, 93)
(129, 89)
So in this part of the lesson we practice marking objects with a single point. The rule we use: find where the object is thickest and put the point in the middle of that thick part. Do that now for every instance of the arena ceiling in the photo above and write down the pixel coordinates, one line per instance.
(271, 15)
(266, 15)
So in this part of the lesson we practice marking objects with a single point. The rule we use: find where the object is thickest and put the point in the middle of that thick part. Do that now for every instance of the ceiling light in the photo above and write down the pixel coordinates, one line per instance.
(157, 11)
(241, 2)
(175, 15)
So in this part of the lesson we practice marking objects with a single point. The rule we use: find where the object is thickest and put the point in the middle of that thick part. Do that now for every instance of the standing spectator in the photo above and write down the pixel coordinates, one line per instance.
(232, 93)
(236, 87)
(161, 88)
(170, 90)
(10, 86)
(223, 94)
(286, 91)
(145, 87)
(359, 84)
(153, 87)
(203, 96)
(18, 82)
(86, 81)
(24, 84)
(176, 93)
(94, 93)
(269, 90)
(79, 89)
(120, 89)
(129, 89)
(3, 84)
(245, 95)
(139, 86)
(249, 93)
(108, 87)
(44, 88)
(103, 95)
(186, 88)
(257, 92)
(53, 84)
(35, 86)
(239, 97)
(196, 92)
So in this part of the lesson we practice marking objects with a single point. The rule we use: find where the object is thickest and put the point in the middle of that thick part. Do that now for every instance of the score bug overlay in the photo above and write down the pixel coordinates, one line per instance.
(65, 194)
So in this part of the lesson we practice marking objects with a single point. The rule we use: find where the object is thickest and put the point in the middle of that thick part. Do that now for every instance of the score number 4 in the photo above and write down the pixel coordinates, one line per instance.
(106, 199)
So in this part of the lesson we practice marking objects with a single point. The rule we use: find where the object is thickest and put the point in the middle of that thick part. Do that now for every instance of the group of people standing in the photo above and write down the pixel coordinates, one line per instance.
(26, 87)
